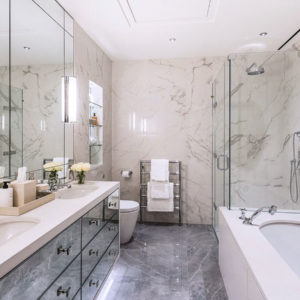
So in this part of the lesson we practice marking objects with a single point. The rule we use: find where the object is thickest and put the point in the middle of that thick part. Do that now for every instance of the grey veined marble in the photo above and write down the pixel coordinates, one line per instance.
(162, 109)
(167, 262)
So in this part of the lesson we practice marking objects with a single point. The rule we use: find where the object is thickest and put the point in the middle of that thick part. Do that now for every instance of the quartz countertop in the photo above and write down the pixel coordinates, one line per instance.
(53, 218)
(274, 276)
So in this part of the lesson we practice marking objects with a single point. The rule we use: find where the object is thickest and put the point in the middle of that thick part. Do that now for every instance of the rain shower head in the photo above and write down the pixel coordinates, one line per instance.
(254, 69)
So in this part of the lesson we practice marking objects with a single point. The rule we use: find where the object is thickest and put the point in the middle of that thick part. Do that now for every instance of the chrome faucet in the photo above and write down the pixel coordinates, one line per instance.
(55, 186)
(272, 210)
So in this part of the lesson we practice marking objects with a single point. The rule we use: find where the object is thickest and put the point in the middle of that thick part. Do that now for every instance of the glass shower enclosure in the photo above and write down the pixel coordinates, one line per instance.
(11, 137)
(256, 132)
(220, 144)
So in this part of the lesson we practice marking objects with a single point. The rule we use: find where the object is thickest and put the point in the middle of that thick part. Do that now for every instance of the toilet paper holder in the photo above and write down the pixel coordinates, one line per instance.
(126, 173)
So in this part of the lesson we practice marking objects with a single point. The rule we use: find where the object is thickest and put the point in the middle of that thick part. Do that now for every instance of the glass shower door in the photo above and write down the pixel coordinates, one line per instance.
(220, 144)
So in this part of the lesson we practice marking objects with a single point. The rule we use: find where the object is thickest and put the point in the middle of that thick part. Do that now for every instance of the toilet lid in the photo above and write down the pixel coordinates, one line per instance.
(128, 205)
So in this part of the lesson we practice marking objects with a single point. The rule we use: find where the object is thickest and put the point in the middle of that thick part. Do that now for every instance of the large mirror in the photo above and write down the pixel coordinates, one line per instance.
(35, 54)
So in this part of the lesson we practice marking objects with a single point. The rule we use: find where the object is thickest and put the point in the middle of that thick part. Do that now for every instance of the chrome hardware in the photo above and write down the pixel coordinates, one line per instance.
(61, 291)
(94, 283)
(243, 214)
(225, 162)
(53, 186)
(62, 184)
(271, 210)
(110, 204)
(64, 250)
(92, 252)
(112, 228)
(71, 173)
(129, 172)
(112, 252)
(94, 221)
(31, 176)
(12, 152)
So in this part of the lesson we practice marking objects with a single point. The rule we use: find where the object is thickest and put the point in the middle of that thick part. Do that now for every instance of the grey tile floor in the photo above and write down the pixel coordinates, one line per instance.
(167, 262)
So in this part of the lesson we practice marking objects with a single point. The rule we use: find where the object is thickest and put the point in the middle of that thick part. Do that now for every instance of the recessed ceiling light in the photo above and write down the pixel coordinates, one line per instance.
(263, 33)
(172, 40)
(26, 48)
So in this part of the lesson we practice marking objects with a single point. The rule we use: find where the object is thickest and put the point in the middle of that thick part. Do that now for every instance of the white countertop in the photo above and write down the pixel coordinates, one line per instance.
(53, 218)
(276, 279)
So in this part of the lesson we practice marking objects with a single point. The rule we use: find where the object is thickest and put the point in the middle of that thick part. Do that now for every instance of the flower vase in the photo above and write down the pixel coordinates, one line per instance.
(53, 179)
(81, 177)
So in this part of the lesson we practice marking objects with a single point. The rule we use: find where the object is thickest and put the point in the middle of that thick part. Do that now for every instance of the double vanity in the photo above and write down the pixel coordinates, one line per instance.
(64, 249)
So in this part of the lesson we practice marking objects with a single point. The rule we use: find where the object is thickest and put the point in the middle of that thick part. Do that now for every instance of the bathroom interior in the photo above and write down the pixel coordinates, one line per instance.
(149, 150)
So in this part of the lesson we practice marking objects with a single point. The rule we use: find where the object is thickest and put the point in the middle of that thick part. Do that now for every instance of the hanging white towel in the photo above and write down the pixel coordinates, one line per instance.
(159, 169)
(159, 190)
(64, 162)
(2, 172)
(163, 205)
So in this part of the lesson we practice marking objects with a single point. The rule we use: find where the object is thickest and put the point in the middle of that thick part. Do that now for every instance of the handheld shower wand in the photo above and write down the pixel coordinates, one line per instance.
(293, 174)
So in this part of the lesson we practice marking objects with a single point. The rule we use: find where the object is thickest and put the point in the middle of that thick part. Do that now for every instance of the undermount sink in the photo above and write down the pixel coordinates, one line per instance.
(76, 191)
(12, 227)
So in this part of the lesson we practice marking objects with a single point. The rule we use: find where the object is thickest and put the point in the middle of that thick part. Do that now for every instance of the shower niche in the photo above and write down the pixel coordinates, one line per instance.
(95, 124)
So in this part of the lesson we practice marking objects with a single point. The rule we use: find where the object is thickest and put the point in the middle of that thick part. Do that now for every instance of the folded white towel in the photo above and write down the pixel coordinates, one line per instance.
(64, 162)
(2, 172)
(159, 190)
(161, 204)
(160, 169)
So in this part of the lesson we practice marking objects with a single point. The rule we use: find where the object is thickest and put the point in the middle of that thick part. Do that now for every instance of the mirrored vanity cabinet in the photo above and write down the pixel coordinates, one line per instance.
(75, 263)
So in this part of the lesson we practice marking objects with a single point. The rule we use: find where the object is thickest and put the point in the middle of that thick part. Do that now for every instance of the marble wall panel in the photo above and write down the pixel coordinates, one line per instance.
(37, 128)
(91, 63)
(162, 109)
(265, 113)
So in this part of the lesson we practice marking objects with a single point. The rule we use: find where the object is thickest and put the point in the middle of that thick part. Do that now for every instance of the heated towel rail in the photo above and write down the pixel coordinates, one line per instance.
(175, 177)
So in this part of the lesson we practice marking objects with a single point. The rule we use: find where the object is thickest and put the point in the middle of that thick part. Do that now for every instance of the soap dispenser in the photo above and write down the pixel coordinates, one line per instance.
(6, 195)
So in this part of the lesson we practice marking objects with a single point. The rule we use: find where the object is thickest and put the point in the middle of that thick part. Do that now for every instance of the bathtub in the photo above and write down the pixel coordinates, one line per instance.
(260, 262)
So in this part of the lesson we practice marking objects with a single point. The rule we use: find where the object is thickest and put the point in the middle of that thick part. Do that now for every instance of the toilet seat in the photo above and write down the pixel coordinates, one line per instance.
(128, 206)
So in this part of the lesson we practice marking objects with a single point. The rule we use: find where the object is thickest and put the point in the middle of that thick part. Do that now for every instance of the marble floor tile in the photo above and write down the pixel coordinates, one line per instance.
(167, 262)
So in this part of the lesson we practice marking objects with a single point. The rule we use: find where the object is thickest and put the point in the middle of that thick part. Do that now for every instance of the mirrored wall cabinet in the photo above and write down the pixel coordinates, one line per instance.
(95, 123)
(36, 52)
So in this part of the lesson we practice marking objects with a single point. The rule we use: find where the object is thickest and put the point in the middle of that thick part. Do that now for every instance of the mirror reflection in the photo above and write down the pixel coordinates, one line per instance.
(41, 52)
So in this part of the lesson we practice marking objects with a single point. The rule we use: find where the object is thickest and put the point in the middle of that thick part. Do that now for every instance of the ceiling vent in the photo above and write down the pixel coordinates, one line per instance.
(139, 12)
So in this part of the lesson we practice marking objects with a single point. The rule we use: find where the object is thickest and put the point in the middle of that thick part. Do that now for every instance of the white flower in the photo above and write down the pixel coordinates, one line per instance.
(52, 166)
(85, 167)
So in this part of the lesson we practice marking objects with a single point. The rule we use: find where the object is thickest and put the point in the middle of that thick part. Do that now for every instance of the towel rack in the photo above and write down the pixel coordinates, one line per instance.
(174, 176)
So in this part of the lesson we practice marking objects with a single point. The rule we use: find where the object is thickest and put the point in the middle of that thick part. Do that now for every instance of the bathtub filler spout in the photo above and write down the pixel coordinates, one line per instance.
(249, 221)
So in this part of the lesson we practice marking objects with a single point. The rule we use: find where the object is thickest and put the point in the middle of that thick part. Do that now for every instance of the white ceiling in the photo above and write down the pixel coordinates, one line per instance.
(141, 29)
(32, 27)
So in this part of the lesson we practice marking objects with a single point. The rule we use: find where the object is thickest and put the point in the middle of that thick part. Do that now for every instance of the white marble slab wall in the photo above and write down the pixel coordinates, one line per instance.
(43, 130)
(91, 63)
(162, 109)
(265, 113)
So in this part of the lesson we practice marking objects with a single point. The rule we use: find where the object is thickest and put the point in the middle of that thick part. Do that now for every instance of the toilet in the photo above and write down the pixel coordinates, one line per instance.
(129, 211)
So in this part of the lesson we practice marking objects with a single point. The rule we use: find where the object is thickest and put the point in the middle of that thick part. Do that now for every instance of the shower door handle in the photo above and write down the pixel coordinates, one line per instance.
(225, 162)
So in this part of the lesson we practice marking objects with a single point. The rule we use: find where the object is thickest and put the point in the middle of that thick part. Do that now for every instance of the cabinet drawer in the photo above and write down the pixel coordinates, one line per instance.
(67, 285)
(78, 296)
(36, 273)
(92, 222)
(96, 248)
(111, 206)
(96, 279)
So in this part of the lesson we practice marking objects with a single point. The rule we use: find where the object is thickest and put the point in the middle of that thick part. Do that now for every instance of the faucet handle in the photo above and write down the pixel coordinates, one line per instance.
(243, 213)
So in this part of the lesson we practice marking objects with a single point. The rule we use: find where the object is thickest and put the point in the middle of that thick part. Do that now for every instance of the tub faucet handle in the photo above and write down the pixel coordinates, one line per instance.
(243, 213)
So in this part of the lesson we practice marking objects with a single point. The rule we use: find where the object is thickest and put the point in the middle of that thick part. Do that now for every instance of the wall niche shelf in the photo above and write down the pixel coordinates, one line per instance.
(95, 126)
(92, 125)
